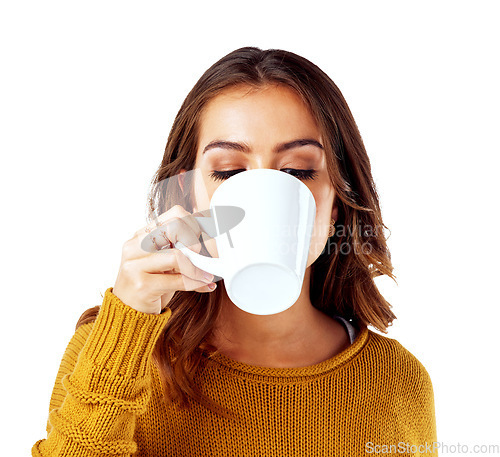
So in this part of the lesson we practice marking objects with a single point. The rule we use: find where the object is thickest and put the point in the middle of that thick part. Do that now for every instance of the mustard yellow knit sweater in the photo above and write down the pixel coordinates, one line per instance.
(107, 400)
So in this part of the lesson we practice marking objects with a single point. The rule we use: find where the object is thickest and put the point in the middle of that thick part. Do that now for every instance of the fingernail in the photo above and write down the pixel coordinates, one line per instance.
(212, 286)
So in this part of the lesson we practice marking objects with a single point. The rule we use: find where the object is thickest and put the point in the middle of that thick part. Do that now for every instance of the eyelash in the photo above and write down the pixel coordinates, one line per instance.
(301, 174)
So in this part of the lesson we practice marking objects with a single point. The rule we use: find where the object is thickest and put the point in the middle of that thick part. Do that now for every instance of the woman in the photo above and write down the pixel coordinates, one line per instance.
(168, 365)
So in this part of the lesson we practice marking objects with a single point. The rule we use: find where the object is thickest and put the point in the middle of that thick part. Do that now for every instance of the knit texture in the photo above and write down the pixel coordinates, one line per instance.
(107, 399)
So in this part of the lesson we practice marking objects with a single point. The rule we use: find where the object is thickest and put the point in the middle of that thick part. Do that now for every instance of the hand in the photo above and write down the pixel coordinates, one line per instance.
(147, 281)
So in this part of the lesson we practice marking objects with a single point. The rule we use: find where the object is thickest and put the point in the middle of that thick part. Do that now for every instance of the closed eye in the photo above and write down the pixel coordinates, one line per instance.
(300, 174)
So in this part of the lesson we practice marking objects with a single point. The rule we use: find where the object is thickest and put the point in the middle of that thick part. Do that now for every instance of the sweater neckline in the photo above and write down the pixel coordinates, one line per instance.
(320, 368)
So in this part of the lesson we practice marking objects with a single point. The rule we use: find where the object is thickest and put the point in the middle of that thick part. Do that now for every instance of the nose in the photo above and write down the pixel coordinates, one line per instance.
(261, 161)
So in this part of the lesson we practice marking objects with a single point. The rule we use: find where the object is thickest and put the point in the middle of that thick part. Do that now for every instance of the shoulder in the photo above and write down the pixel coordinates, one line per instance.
(76, 343)
(398, 366)
(399, 383)
(81, 333)
(73, 348)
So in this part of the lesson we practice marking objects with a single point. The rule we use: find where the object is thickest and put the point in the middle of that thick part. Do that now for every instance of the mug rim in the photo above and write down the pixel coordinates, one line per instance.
(278, 173)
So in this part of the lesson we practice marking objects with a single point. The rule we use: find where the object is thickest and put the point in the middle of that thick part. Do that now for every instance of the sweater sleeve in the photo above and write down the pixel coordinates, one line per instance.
(103, 383)
(420, 401)
(426, 422)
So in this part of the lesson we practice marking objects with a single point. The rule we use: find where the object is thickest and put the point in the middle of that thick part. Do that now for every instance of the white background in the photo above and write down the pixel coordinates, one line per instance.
(89, 91)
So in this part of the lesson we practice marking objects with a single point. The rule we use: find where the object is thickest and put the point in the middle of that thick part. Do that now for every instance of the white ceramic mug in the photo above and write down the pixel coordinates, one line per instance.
(262, 221)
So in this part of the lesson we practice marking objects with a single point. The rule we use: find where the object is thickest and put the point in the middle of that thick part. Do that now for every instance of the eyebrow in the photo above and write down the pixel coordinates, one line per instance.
(243, 147)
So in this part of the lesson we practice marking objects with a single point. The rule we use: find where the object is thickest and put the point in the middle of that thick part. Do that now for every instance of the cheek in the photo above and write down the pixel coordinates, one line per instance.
(204, 188)
(202, 193)
(323, 196)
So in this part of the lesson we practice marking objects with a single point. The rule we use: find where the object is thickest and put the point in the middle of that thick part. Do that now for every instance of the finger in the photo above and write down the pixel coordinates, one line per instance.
(156, 240)
(166, 298)
(172, 261)
(192, 222)
(168, 229)
(178, 229)
(164, 237)
(206, 288)
(176, 211)
(162, 218)
(164, 283)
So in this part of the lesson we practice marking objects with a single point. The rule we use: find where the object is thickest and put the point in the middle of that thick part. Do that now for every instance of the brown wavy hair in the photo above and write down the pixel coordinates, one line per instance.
(342, 276)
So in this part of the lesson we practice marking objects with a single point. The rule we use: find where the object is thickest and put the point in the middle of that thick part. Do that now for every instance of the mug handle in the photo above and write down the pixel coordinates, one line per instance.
(228, 217)
(212, 265)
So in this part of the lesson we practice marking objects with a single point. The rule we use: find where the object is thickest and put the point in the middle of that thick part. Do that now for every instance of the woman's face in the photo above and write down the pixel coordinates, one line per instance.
(260, 120)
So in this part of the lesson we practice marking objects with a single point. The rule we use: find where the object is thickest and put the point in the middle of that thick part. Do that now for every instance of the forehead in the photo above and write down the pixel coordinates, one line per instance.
(244, 109)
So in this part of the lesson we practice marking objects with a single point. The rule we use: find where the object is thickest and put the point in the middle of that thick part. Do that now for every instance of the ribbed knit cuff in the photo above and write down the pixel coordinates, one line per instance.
(122, 339)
